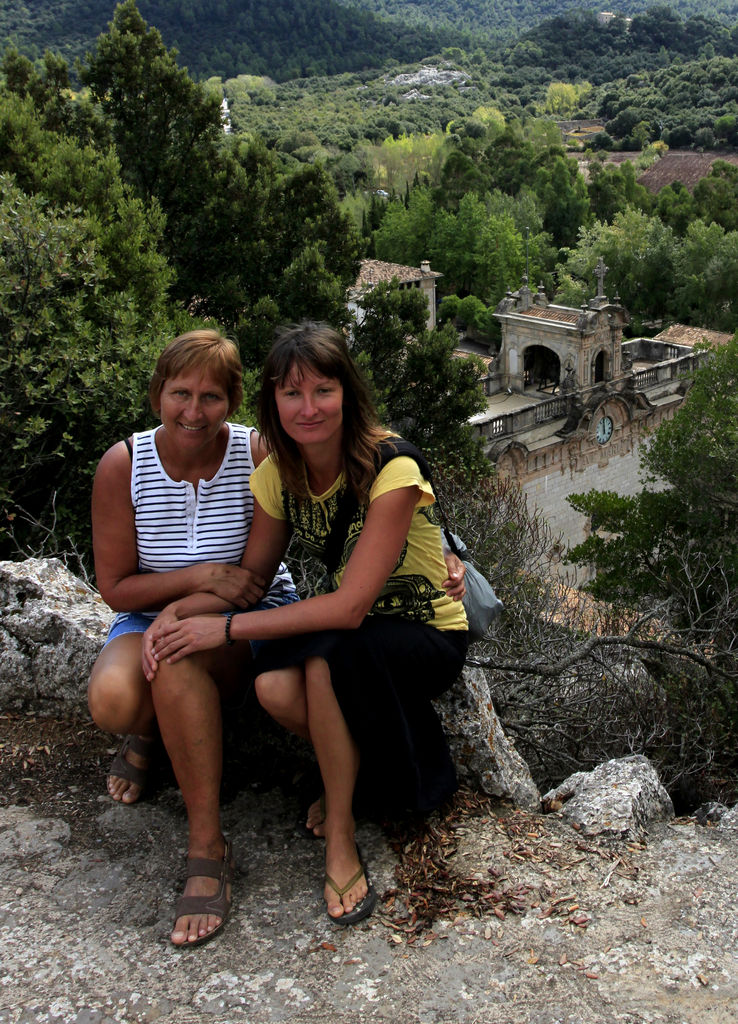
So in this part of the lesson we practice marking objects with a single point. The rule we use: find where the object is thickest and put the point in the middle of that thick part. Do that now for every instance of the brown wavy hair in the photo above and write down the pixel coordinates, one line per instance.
(206, 350)
(317, 347)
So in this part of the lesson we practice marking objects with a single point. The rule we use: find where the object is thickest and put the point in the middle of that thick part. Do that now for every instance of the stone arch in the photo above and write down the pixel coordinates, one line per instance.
(601, 368)
(512, 460)
(541, 369)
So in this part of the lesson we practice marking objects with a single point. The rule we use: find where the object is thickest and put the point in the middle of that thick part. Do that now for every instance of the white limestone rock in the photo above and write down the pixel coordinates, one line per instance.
(52, 627)
(619, 798)
(729, 820)
(483, 754)
(428, 77)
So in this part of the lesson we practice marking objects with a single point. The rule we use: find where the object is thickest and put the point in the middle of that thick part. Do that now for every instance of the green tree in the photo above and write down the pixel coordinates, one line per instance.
(76, 356)
(669, 555)
(404, 236)
(127, 232)
(164, 125)
(640, 253)
(706, 277)
(675, 206)
(611, 188)
(235, 221)
(563, 196)
(423, 391)
(660, 543)
(716, 196)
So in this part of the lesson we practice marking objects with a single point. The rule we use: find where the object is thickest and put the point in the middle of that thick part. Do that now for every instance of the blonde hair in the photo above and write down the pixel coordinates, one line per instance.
(205, 350)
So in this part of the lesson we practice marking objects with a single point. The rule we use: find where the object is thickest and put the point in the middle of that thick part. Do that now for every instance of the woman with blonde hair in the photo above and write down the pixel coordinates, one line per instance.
(171, 514)
(356, 666)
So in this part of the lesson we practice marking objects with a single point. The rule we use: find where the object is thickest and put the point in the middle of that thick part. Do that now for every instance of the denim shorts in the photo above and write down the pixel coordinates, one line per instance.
(139, 622)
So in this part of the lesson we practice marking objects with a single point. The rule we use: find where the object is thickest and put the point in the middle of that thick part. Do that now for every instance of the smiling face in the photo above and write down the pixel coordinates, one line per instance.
(310, 408)
(193, 407)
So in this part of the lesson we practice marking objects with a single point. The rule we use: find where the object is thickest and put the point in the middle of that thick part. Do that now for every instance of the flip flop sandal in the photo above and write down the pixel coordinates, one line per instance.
(122, 768)
(363, 908)
(219, 905)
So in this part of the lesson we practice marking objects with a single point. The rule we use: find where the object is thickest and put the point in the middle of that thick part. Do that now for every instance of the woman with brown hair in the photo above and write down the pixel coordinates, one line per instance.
(171, 514)
(357, 665)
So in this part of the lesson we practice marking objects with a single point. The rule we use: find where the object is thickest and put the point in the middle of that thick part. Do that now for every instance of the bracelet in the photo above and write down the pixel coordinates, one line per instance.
(229, 639)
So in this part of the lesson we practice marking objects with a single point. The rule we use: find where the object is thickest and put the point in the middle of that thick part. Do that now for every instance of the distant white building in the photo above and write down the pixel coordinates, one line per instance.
(605, 17)
(372, 272)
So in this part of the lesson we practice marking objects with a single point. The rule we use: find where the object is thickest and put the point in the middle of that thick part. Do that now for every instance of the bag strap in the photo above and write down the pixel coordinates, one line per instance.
(389, 448)
(334, 542)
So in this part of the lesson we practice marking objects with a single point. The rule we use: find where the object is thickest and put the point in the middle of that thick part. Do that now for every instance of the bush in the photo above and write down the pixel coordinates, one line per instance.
(576, 681)
(74, 368)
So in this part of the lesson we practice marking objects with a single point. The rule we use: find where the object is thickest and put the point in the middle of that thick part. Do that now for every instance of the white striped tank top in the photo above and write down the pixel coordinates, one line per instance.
(177, 526)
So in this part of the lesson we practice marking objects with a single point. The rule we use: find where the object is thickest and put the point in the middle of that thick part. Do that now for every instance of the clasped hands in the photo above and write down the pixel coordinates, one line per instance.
(178, 631)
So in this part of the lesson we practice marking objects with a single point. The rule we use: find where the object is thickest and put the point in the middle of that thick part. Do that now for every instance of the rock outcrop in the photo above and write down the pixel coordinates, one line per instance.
(427, 77)
(620, 798)
(483, 754)
(52, 627)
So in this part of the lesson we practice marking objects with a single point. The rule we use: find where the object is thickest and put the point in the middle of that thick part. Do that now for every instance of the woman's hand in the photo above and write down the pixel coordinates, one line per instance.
(174, 640)
(240, 587)
(454, 585)
(148, 660)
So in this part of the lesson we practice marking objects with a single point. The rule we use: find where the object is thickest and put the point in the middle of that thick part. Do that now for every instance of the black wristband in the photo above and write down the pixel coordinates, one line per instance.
(229, 639)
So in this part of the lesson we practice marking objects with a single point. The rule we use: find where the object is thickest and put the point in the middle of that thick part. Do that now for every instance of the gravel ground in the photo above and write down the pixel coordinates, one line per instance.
(488, 914)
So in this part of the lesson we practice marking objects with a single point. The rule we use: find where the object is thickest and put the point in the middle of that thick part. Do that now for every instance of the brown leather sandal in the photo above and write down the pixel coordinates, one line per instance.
(219, 905)
(122, 768)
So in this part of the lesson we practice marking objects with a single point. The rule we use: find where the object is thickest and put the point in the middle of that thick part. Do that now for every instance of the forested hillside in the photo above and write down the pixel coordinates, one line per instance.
(280, 38)
(286, 39)
(506, 18)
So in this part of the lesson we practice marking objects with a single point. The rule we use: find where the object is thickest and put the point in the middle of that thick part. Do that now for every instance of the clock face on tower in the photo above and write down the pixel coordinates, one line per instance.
(603, 431)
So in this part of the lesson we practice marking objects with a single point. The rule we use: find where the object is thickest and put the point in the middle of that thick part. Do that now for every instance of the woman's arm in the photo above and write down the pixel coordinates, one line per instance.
(121, 585)
(265, 549)
(374, 557)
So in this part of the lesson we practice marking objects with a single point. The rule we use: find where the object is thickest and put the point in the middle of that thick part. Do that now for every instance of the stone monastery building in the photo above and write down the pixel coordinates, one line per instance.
(570, 402)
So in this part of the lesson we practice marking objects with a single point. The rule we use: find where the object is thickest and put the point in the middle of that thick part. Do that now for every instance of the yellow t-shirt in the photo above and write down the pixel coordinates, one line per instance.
(413, 590)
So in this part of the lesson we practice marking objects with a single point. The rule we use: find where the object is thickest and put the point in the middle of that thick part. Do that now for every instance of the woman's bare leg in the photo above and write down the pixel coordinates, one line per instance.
(282, 694)
(119, 698)
(338, 758)
(187, 702)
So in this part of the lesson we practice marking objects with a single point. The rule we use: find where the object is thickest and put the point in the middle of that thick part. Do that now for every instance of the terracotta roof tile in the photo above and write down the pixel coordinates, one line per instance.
(681, 334)
(372, 272)
(564, 316)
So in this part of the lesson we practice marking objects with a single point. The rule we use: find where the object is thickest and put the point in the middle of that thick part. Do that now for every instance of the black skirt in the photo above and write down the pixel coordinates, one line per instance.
(384, 675)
